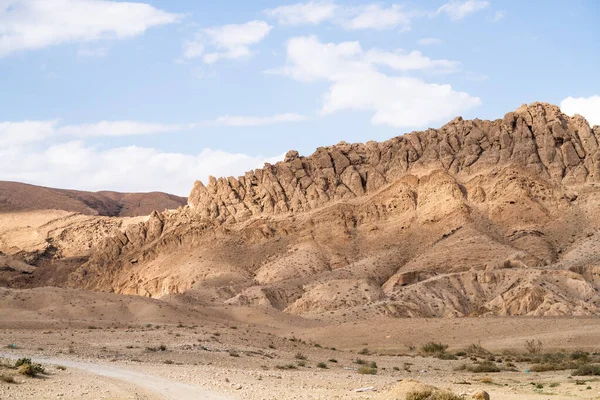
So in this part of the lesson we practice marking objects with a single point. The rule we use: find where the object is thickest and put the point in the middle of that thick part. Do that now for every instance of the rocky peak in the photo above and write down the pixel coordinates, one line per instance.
(536, 137)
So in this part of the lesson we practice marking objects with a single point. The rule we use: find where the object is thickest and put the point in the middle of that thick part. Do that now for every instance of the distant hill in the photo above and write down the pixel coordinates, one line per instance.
(16, 196)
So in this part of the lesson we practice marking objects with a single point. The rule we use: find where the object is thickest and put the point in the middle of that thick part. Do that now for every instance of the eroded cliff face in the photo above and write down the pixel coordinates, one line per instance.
(537, 138)
(475, 218)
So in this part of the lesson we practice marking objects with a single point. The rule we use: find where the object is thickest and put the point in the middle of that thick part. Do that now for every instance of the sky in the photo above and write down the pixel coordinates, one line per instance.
(153, 95)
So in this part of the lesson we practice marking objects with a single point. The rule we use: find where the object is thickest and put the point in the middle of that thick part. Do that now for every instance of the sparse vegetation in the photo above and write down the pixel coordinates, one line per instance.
(364, 370)
(430, 394)
(433, 348)
(533, 346)
(286, 366)
(162, 347)
(300, 356)
(322, 365)
(364, 352)
(26, 367)
(587, 370)
(476, 349)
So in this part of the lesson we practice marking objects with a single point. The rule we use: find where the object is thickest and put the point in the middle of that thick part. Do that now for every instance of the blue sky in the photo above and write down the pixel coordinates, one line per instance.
(139, 96)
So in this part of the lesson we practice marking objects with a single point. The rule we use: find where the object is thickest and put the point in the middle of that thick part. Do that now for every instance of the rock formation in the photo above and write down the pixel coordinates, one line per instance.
(475, 218)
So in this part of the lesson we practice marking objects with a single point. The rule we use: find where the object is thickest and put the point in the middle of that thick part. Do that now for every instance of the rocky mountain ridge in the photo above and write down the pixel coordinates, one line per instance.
(538, 138)
(476, 218)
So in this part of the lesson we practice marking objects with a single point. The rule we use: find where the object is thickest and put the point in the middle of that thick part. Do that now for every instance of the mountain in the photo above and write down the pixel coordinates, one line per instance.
(476, 218)
(16, 197)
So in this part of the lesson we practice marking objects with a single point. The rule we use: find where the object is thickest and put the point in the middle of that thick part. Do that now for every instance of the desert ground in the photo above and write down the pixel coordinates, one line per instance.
(129, 347)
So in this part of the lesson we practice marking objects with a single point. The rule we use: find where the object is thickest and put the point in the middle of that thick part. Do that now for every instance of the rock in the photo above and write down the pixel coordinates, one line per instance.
(537, 137)
(481, 395)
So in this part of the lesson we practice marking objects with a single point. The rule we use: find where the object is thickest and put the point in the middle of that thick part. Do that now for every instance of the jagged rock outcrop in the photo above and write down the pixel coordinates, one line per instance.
(538, 138)
(475, 218)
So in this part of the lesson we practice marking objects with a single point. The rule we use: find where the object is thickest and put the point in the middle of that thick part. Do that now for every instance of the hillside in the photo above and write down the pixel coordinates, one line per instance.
(477, 218)
(23, 197)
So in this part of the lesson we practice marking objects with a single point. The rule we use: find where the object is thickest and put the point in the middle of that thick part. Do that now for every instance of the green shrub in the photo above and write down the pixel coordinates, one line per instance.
(22, 361)
(322, 365)
(30, 369)
(433, 348)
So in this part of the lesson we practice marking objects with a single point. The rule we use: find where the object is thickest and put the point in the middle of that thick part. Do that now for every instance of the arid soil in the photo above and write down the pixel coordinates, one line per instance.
(243, 352)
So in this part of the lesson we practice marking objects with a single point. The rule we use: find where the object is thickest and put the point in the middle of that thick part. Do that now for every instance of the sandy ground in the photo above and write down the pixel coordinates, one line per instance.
(228, 360)
(111, 346)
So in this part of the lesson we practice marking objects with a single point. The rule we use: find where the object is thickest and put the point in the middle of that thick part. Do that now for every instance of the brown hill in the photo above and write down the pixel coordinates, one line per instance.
(23, 197)
(475, 218)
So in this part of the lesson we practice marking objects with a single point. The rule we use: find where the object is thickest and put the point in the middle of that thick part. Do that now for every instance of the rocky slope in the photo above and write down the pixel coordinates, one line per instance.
(15, 197)
(475, 218)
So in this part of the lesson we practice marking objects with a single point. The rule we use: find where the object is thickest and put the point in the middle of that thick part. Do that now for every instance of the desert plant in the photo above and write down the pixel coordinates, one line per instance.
(432, 348)
(587, 370)
(476, 349)
(322, 365)
(300, 356)
(22, 361)
(360, 361)
(364, 370)
(486, 366)
(430, 394)
(533, 346)
(162, 347)
(364, 352)
(30, 369)
(286, 366)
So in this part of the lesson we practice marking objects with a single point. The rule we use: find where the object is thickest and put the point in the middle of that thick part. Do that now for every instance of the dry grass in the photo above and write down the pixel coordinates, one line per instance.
(431, 394)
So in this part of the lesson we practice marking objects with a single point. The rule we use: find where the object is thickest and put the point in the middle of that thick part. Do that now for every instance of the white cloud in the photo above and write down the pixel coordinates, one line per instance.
(373, 16)
(457, 9)
(429, 41)
(356, 83)
(18, 133)
(193, 49)
(498, 15)
(227, 41)
(27, 132)
(368, 16)
(119, 128)
(257, 121)
(303, 13)
(412, 61)
(35, 24)
(588, 107)
(75, 165)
